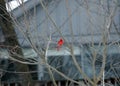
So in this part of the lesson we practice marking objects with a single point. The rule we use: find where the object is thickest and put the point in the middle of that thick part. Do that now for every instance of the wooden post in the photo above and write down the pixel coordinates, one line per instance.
(45, 84)
(59, 83)
(16, 84)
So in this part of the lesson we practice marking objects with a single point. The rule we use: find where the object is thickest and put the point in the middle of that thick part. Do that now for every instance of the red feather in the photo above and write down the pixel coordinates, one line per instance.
(60, 43)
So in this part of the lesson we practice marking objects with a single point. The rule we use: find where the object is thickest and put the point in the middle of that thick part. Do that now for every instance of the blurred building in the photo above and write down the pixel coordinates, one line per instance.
(83, 24)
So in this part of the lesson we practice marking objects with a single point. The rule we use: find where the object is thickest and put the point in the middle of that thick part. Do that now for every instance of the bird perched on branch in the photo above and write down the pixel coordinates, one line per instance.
(60, 43)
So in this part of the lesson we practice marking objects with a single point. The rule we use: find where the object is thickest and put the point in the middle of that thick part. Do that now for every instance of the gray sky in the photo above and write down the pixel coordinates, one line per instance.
(14, 4)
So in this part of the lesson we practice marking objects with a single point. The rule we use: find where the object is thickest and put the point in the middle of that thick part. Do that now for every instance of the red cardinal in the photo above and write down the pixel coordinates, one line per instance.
(60, 43)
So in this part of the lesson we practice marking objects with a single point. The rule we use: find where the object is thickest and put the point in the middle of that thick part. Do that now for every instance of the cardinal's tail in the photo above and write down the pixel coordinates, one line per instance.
(58, 48)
